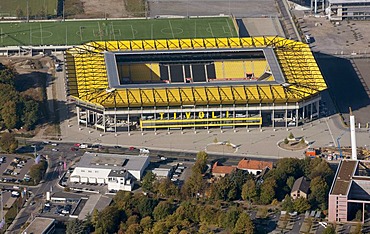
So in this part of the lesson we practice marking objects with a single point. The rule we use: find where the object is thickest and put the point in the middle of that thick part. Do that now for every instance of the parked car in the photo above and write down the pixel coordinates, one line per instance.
(15, 194)
(54, 149)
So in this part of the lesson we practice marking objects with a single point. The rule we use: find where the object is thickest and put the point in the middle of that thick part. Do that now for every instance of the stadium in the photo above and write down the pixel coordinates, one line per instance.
(194, 83)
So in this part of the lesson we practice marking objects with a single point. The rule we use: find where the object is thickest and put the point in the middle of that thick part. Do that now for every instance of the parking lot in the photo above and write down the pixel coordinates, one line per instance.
(14, 168)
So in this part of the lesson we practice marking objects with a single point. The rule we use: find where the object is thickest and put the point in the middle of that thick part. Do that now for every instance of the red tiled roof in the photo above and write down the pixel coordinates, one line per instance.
(247, 164)
(222, 169)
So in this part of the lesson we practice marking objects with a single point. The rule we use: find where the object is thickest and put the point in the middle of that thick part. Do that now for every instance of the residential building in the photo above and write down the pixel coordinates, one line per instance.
(301, 188)
(219, 170)
(253, 166)
(41, 225)
(117, 171)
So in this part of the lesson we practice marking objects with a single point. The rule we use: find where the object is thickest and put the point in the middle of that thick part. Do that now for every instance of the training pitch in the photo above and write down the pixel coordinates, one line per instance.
(79, 32)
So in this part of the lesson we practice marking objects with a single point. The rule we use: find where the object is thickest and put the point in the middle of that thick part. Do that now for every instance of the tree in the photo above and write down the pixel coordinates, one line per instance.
(290, 182)
(134, 229)
(301, 205)
(108, 220)
(329, 230)
(146, 205)
(147, 182)
(30, 114)
(75, 226)
(244, 225)
(8, 142)
(319, 192)
(201, 163)
(162, 210)
(228, 220)
(287, 204)
(291, 136)
(9, 114)
(166, 188)
(37, 171)
(268, 191)
(146, 223)
(249, 191)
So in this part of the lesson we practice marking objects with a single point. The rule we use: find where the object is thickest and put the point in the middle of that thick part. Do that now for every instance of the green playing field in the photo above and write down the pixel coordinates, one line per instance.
(78, 32)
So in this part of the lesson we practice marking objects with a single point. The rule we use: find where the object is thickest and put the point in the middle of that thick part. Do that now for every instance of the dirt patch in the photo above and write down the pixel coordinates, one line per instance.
(103, 9)
(221, 148)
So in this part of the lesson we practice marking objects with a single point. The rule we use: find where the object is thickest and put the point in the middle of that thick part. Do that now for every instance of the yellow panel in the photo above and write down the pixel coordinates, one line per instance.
(140, 72)
(112, 45)
(185, 43)
(137, 45)
(174, 96)
(219, 70)
(200, 95)
(222, 42)
(160, 97)
(259, 41)
(259, 67)
(155, 71)
(213, 95)
(198, 43)
(234, 42)
(161, 44)
(147, 97)
(247, 42)
(124, 45)
(173, 44)
(149, 44)
(210, 43)
(234, 69)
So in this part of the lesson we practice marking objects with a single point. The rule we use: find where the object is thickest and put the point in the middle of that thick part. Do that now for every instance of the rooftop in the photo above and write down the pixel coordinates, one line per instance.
(301, 184)
(248, 164)
(38, 225)
(343, 177)
(96, 201)
(220, 169)
(112, 161)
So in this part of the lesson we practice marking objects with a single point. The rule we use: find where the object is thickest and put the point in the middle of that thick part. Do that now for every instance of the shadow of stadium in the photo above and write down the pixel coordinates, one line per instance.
(345, 87)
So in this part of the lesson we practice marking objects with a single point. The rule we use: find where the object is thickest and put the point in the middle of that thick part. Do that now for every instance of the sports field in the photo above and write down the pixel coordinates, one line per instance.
(9, 8)
(79, 32)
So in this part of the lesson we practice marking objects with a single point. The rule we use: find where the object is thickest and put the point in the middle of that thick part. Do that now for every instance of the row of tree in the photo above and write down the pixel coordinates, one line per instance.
(16, 109)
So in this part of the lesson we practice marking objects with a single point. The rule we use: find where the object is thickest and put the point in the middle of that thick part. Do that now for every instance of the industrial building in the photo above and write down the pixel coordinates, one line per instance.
(41, 225)
(348, 10)
(148, 85)
(116, 171)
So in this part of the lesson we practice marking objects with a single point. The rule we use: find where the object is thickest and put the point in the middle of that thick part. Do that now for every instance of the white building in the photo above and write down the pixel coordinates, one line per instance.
(117, 171)
(348, 9)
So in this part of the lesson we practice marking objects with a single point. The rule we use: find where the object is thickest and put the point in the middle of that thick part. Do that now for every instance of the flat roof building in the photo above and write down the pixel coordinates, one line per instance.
(348, 10)
(40, 225)
(117, 171)
(350, 191)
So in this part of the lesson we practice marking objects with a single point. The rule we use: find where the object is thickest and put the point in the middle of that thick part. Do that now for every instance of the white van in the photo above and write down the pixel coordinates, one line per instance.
(307, 38)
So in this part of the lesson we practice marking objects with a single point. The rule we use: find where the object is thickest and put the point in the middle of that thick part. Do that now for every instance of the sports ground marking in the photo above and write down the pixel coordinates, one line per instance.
(210, 29)
(230, 31)
(43, 34)
(132, 31)
(99, 31)
(151, 31)
(167, 31)
(173, 35)
(2, 36)
(42, 41)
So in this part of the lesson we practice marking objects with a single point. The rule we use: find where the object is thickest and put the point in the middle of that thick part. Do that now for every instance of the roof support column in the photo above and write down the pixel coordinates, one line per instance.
(78, 115)
(311, 111)
(246, 115)
(87, 116)
(286, 115)
(273, 116)
(261, 116)
(128, 123)
(296, 114)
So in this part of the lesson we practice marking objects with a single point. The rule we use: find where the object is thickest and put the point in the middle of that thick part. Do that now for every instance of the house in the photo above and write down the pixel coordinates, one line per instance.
(300, 188)
(254, 166)
(221, 171)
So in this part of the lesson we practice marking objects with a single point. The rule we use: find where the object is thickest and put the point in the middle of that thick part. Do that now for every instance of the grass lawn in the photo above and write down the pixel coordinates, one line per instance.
(79, 32)
(9, 7)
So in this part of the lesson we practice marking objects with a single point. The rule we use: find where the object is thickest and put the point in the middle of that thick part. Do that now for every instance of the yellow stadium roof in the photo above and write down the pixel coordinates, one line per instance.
(88, 79)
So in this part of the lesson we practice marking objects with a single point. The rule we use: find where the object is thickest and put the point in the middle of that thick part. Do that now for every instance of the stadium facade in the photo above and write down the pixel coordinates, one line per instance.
(194, 83)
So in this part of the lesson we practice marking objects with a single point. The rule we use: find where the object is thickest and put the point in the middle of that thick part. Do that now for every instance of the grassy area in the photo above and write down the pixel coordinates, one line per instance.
(18, 8)
(79, 32)
(52, 130)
